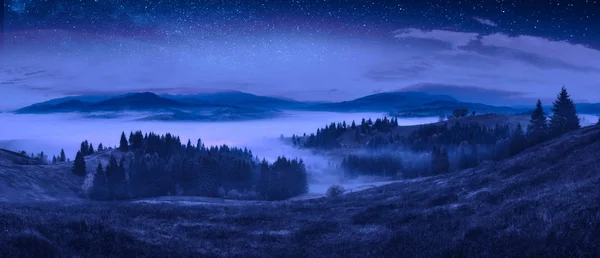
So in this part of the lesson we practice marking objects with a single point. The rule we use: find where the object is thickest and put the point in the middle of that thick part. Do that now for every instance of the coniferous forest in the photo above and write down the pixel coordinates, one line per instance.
(441, 147)
(159, 165)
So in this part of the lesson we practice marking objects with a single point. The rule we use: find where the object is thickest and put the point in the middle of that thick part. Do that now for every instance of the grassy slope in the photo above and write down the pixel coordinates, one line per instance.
(25, 179)
(544, 202)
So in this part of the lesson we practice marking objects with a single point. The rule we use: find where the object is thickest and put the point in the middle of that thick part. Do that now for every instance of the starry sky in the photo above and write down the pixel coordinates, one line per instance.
(303, 49)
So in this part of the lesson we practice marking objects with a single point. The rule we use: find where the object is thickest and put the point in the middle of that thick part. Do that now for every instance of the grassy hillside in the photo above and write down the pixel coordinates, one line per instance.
(23, 178)
(543, 202)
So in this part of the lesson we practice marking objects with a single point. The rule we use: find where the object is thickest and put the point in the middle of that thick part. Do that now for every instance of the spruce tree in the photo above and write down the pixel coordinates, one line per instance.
(199, 144)
(99, 189)
(62, 157)
(537, 130)
(564, 118)
(444, 162)
(91, 149)
(79, 164)
(517, 141)
(131, 138)
(112, 176)
(440, 162)
(84, 148)
(123, 144)
(189, 145)
(100, 147)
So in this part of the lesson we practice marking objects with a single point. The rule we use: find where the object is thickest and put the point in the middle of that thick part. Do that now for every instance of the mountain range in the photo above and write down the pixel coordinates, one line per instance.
(236, 105)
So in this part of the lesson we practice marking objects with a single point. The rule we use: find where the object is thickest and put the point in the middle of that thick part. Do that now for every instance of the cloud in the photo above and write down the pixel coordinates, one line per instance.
(456, 39)
(575, 54)
(535, 66)
(487, 22)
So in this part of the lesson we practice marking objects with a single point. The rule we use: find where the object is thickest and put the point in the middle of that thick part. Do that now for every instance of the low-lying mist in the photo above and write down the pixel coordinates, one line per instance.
(50, 133)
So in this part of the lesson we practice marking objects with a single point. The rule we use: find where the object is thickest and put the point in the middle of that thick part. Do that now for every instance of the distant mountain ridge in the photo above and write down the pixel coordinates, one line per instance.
(236, 105)
(386, 101)
(161, 107)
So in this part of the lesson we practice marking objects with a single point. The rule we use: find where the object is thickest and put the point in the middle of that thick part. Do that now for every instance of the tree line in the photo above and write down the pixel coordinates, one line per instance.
(448, 146)
(149, 165)
(327, 137)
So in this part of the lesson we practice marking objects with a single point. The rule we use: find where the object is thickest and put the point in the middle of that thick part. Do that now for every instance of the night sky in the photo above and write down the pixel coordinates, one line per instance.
(339, 49)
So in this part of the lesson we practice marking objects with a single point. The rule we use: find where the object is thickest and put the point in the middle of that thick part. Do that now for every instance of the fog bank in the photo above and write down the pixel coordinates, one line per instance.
(50, 133)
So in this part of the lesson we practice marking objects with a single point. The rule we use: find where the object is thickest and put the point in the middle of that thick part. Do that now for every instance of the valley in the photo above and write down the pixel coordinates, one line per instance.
(500, 209)
(373, 185)
(151, 128)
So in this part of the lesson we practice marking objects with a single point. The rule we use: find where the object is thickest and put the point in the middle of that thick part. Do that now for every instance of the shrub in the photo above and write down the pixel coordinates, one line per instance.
(233, 194)
(335, 191)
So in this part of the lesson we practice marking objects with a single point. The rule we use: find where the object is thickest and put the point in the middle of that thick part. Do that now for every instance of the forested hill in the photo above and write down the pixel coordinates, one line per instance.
(382, 148)
(358, 134)
(157, 165)
(150, 165)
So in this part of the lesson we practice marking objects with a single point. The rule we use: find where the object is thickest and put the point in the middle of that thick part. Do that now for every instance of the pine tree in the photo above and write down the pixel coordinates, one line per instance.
(131, 138)
(79, 164)
(99, 189)
(112, 176)
(517, 141)
(440, 162)
(123, 144)
(199, 144)
(62, 157)
(91, 149)
(444, 162)
(188, 147)
(84, 148)
(121, 170)
(42, 157)
(537, 131)
(100, 147)
(564, 118)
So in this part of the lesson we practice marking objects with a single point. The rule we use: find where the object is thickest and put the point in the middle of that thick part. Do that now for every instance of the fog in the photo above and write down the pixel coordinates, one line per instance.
(50, 133)
(588, 119)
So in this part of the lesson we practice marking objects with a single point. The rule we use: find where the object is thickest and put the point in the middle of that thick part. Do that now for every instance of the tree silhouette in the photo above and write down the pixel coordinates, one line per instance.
(460, 112)
(79, 165)
(91, 149)
(123, 143)
(62, 157)
(84, 148)
(537, 130)
(99, 190)
(518, 142)
(564, 118)
(440, 162)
